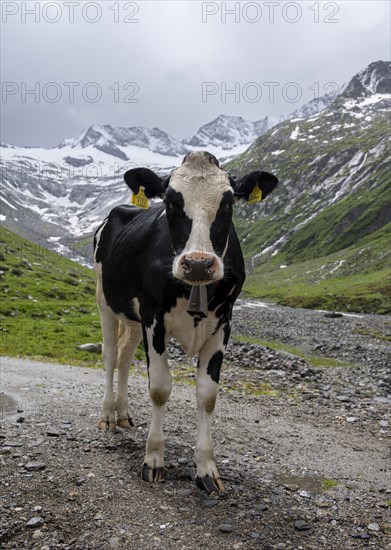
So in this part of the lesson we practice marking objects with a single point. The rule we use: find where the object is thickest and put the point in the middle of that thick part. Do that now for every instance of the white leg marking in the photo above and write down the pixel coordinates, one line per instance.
(208, 477)
(129, 338)
(160, 384)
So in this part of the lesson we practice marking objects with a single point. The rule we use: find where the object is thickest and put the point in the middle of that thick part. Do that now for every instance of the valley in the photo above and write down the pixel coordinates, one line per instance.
(328, 222)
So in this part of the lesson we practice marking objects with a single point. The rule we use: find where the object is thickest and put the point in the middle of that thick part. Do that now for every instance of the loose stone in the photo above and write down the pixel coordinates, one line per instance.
(34, 466)
(301, 525)
(35, 522)
(210, 503)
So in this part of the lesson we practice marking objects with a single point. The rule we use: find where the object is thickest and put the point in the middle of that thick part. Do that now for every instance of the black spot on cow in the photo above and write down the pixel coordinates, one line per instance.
(214, 366)
(227, 332)
(220, 227)
(159, 334)
(178, 222)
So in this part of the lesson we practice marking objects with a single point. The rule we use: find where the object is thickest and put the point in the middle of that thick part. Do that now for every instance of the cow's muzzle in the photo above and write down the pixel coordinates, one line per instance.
(198, 269)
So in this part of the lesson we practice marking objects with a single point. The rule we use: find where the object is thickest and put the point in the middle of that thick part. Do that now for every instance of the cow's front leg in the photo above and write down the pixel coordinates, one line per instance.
(208, 373)
(160, 384)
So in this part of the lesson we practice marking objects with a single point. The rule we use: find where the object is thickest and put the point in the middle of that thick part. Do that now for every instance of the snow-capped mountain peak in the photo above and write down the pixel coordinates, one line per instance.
(374, 79)
(91, 136)
(224, 131)
(114, 140)
(229, 132)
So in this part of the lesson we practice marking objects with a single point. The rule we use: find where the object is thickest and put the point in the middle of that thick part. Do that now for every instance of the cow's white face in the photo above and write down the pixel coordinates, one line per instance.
(199, 202)
(199, 197)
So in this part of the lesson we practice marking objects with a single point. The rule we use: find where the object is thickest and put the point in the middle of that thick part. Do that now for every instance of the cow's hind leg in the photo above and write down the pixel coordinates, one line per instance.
(208, 372)
(129, 338)
(160, 384)
(109, 325)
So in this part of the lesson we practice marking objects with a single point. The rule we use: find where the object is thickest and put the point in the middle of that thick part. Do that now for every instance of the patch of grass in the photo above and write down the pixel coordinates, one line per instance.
(184, 372)
(342, 224)
(250, 387)
(373, 334)
(314, 360)
(47, 305)
(328, 483)
(356, 279)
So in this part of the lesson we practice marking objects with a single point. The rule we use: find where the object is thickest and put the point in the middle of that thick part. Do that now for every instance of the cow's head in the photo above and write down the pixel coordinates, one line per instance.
(199, 197)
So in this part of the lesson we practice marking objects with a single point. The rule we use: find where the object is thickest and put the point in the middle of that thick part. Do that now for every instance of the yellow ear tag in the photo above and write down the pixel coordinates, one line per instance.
(255, 195)
(140, 199)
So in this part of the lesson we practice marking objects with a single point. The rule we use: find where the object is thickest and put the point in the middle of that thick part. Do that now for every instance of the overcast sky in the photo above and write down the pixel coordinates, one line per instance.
(172, 65)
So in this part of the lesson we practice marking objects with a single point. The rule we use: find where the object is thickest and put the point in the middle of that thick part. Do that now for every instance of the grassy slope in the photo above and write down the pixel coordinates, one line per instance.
(47, 304)
(305, 164)
(357, 278)
(348, 232)
(342, 224)
(355, 230)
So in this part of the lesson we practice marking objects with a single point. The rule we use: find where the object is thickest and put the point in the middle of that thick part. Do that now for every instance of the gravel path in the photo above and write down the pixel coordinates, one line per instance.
(304, 452)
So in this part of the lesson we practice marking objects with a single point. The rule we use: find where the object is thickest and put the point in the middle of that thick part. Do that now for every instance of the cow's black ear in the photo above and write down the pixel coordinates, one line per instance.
(153, 185)
(255, 185)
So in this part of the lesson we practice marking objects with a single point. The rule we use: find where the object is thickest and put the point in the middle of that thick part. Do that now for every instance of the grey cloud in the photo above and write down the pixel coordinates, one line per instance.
(169, 53)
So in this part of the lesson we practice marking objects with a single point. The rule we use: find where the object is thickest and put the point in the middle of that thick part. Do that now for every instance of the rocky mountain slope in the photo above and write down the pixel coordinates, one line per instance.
(115, 141)
(230, 132)
(334, 171)
(55, 196)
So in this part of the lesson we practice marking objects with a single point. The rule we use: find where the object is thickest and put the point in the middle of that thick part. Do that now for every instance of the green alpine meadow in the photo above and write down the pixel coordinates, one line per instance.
(47, 304)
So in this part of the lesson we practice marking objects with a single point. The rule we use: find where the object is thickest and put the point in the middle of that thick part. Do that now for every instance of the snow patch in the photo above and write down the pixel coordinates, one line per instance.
(295, 133)
(2, 199)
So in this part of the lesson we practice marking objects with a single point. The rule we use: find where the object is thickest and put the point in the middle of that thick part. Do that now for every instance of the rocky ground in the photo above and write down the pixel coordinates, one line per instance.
(303, 449)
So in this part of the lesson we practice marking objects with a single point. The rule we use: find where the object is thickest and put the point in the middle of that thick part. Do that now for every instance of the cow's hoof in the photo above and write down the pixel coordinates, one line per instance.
(210, 484)
(106, 424)
(126, 423)
(152, 474)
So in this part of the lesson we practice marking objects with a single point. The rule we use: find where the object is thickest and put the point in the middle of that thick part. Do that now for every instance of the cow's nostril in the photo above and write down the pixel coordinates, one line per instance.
(188, 262)
(208, 262)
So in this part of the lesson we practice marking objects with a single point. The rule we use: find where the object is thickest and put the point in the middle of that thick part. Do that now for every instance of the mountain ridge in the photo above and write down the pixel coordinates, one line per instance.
(228, 132)
(111, 139)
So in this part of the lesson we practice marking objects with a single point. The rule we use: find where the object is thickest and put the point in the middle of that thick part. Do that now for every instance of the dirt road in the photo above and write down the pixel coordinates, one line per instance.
(297, 475)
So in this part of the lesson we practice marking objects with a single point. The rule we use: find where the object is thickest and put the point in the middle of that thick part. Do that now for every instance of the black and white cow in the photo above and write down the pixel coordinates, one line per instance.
(148, 262)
